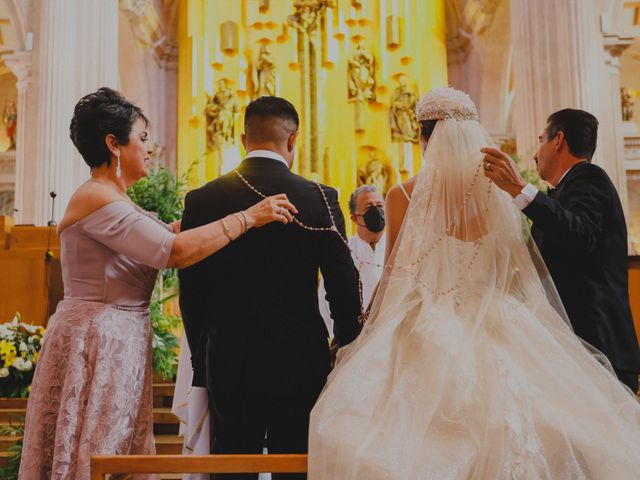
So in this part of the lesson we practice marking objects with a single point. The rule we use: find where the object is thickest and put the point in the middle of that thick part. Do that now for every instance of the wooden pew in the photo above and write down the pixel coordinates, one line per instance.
(103, 465)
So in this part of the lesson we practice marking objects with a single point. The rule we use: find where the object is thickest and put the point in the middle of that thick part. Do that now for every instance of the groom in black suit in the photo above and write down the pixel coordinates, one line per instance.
(581, 233)
(251, 310)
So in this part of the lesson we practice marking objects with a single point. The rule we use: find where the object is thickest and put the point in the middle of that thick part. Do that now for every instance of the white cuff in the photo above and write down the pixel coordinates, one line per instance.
(526, 196)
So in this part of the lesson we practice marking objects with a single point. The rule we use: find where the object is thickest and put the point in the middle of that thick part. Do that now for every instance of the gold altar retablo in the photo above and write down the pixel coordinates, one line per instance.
(341, 63)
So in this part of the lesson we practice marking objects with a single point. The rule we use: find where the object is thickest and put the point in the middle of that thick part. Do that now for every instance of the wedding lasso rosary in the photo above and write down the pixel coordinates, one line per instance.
(333, 228)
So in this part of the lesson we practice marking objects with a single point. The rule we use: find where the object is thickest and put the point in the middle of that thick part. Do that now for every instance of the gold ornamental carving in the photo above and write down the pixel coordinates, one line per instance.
(361, 76)
(264, 74)
(627, 104)
(308, 16)
(339, 62)
(402, 118)
(229, 37)
(10, 120)
(263, 5)
(394, 32)
(220, 112)
(375, 173)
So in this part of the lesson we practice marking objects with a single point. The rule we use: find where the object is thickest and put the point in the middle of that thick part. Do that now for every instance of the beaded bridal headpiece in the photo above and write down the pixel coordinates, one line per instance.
(446, 104)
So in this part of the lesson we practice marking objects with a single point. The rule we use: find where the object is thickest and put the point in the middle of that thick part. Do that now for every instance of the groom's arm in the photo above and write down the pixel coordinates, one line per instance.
(341, 279)
(193, 305)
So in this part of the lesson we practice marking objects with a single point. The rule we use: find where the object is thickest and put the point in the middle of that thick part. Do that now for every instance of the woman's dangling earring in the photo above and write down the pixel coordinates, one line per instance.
(118, 169)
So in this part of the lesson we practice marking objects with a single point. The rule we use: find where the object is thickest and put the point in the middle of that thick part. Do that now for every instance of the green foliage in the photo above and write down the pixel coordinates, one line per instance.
(161, 192)
(164, 341)
(9, 471)
(530, 175)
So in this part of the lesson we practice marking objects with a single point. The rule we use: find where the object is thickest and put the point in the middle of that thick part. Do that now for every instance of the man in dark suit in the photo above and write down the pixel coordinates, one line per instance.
(251, 310)
(581, 233)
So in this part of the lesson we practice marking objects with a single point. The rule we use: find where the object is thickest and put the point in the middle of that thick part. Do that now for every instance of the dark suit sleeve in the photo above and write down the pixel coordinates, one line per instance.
(577, 223)
(341, 278)
(193, 305)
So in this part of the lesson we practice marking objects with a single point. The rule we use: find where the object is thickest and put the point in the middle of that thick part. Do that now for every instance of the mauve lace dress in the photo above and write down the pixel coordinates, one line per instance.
(91, 393)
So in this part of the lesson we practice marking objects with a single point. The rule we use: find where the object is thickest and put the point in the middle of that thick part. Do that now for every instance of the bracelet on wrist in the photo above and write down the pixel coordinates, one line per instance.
(243, 225)
(225, 229)
(246, 220)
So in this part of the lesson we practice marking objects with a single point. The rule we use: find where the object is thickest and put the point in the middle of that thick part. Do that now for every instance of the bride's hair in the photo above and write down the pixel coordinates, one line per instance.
(426, 128)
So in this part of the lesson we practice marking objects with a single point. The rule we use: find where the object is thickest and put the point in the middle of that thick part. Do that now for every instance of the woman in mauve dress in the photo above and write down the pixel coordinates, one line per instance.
(91, 393)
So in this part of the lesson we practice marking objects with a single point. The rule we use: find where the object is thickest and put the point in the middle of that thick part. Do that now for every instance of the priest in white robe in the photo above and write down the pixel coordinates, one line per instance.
(366, 208)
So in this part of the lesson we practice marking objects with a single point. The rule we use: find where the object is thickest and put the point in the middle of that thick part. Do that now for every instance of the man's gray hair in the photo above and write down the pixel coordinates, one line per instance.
(354, 196)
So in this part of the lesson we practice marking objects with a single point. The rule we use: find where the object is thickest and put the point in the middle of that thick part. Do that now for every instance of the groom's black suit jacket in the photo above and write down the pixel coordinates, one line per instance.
(582, 235)
(251, 310)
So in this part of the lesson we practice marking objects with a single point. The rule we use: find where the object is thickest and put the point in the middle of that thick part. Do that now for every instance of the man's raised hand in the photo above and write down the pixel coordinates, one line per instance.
(501, 170)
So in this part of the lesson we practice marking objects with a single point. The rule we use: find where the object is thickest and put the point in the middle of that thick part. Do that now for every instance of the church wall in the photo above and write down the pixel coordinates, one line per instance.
(150, 82)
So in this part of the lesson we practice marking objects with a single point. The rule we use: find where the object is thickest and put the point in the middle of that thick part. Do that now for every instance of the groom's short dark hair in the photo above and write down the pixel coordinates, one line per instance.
(580, 130)
(262, 115)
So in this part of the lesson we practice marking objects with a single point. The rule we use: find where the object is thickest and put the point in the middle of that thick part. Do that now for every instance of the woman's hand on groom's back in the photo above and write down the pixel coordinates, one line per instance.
(277, 208)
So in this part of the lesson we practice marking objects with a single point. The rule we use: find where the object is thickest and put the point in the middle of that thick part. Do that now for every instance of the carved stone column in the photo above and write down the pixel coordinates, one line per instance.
(556, 62)
(564, 59)
(75, 53)
(610, 132)
(20, 65)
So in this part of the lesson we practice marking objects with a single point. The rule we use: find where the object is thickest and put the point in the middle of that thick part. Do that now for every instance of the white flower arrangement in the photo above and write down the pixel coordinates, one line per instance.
(20, 345)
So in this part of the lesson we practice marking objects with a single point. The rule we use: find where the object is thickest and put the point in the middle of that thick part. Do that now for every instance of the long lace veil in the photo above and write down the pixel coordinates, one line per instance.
(464, 247)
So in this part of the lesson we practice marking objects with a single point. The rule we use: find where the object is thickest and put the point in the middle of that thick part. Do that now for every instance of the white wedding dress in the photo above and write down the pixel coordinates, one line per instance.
(467, 367)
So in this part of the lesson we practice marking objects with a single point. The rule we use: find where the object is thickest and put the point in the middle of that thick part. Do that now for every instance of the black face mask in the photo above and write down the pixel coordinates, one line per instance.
(374, 218)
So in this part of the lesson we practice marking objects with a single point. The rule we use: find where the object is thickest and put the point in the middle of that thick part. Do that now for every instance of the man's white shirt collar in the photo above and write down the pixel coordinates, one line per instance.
(267, 154)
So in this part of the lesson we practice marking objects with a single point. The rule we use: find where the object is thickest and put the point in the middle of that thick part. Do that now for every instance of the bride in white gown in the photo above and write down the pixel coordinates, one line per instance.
(467, 367)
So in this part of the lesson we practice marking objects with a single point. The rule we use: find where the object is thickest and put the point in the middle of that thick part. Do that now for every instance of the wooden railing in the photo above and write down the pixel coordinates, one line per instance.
(103, 465)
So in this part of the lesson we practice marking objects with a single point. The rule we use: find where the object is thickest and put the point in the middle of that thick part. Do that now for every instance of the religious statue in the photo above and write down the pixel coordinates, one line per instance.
(375, 173)
(220, 112)
(402, 113)
(10, 119)
(361, 76)
(265, 74)
(627, 104)
(308, 14)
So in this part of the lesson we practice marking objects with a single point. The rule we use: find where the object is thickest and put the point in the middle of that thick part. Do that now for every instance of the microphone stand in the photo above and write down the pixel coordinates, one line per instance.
(52, 222)
(48, 254)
